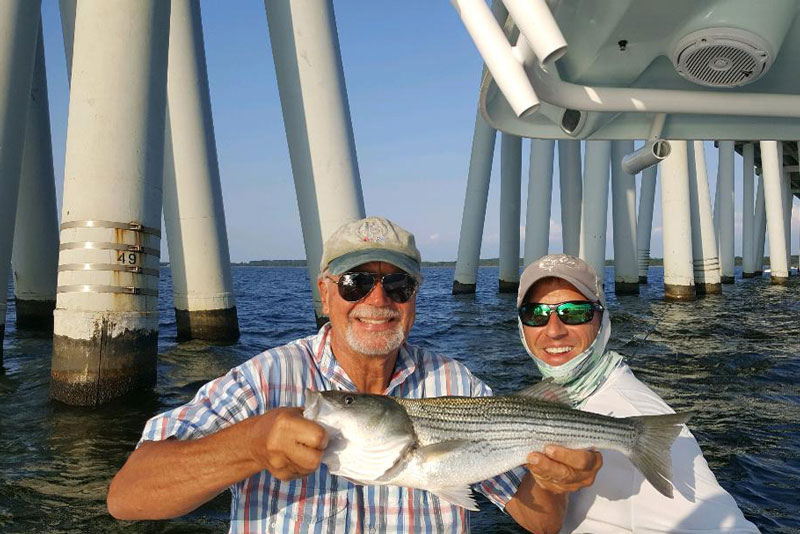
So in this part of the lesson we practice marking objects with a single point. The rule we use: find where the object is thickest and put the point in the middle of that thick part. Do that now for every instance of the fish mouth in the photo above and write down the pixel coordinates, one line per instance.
(312, 404)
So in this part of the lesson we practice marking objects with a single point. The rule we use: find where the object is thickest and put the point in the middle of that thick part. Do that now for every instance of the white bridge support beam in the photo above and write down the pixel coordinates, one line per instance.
(194, 216)
(773, 175)
(106, 317)
(569, 170)
(316, 116)
(623, 200)
(725, 187)
(35, 252)
(748, 211)
(19, 22)
(676, 225)
(644, 220)
(540, 193)
(594, 219)
(510, 184)
(786, 196)
(760, 235)
(704, 243)
(474, 215)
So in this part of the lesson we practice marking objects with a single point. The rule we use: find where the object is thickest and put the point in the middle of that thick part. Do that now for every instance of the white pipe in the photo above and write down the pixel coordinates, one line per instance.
(106, 317)
(760, 227)
(19, 21)
(704, 243)
(748, 213)
(474, 215)
(569, 170)
(623, 201)
(35, 252)
(594, 212)
(536, 22)
(725, 185)
(553, 90)
(652, 153)
(308, 68)
(540, 192)
(194, 216)
(510, 183)
(644, 221)
(786, 195)
(771, 164)
(496, 52)
(676, 225)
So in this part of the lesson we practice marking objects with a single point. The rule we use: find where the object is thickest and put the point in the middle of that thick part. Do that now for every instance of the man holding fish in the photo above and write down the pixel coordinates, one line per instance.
(246, 431)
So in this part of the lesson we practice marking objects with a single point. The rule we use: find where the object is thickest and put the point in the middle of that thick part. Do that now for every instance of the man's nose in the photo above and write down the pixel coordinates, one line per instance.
(554, 327)
(377, 297)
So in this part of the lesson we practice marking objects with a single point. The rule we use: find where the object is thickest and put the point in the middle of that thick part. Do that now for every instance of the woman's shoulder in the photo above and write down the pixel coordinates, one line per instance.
(623, 395)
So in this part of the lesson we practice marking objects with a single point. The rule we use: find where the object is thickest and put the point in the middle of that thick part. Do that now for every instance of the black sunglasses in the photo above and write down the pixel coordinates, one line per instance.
(354, 286)
(572, 313)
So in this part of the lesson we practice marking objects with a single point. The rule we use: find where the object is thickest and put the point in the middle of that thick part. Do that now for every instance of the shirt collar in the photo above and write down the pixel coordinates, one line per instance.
(333, 372)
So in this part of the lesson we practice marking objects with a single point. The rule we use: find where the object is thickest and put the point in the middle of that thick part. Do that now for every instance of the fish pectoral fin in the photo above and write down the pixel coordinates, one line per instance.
(549, 391)
(460, 496)
(433, 451)
(367, 461)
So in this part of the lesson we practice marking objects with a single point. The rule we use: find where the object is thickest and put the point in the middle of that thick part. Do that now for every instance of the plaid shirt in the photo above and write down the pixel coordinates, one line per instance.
(321, 502)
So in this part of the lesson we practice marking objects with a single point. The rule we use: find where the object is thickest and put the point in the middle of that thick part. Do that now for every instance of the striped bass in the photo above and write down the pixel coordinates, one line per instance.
(444, 444)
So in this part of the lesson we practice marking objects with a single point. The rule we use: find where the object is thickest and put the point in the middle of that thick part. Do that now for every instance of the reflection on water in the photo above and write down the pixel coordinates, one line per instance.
(732, 360)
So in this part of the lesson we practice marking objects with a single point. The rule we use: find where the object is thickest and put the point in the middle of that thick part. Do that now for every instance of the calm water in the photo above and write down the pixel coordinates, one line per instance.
(732, 360)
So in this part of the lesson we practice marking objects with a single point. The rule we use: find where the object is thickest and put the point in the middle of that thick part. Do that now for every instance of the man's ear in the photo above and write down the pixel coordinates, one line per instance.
(323, 294)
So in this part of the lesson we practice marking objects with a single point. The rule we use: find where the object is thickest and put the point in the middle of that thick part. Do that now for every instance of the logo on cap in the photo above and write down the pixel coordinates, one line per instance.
(372, 232)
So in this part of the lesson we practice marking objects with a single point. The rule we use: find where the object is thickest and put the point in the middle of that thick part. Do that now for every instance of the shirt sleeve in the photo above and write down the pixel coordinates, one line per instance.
(218, 404)
(501, 488)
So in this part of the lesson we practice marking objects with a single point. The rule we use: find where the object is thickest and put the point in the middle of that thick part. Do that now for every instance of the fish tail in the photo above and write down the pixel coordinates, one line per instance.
(651, 452)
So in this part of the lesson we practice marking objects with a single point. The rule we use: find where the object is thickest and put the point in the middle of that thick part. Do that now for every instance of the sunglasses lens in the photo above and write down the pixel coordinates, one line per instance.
(399, 286)
(355, 286)
(534, 314)
(576, 312)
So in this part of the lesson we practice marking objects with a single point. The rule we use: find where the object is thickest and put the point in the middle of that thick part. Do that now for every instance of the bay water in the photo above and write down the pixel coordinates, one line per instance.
(733, 360)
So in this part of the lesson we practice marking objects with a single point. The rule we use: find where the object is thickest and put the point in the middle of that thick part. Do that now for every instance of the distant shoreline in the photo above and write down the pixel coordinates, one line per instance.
(486, 262)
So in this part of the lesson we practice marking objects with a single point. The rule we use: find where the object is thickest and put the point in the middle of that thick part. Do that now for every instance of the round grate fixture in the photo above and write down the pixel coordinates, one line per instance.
(722, 57)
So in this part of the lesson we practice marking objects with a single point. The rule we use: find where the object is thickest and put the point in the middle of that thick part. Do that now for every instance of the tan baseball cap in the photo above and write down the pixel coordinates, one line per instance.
(371, 239)
(574, 270)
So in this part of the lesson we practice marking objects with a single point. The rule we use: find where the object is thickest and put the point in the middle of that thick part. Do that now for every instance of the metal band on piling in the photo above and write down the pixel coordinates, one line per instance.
(96, 288)
(135, 269)
(103, 245)
(132, 226)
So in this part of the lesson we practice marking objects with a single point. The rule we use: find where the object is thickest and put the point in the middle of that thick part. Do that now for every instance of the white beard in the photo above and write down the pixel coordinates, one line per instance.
(375, 344)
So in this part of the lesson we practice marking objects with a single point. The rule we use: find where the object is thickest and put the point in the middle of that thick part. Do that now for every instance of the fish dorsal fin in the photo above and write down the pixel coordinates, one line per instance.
(547, 390)
(366, 461)
(460, 496)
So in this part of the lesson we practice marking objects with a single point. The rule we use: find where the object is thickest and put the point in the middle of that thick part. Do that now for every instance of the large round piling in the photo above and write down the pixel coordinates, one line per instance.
(205, 305)
(106, 317)
(569, 171)
(19, 22)
(316, 116)
(35, 252)
(644, 220)
(748, 211)
(704, 244)
(676, 225)
(725, 187)
(623, 202)
(594, 211)
(540, 193)
(774, 203)
(474, 215)
(760, 235)
(510, 183)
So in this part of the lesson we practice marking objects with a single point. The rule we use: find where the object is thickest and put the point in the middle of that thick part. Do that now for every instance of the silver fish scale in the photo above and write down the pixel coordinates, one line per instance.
(511, 421)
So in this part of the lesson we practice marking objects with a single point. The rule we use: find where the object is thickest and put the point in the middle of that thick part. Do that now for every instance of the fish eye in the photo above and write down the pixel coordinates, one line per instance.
(349, 399)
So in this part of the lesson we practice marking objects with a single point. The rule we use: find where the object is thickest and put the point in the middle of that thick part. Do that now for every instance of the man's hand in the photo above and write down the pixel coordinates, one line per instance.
(286, 444)
(561, 470)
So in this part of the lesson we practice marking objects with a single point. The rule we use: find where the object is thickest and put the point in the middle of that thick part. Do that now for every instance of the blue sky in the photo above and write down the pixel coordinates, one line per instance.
(412, 78)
